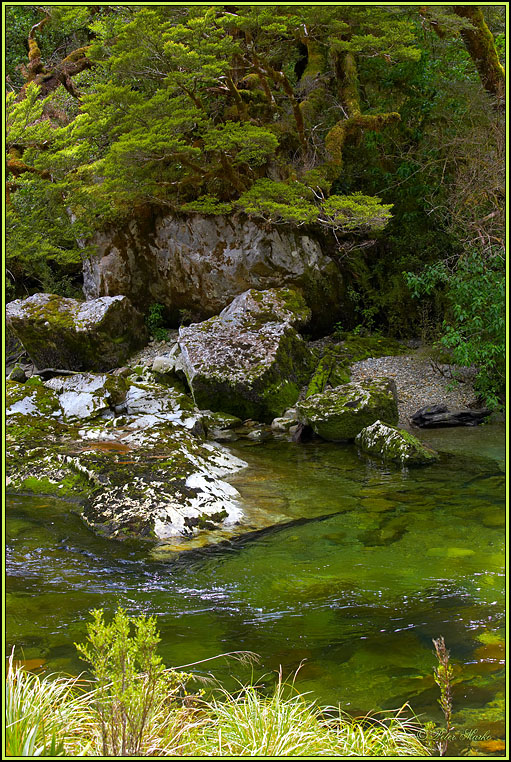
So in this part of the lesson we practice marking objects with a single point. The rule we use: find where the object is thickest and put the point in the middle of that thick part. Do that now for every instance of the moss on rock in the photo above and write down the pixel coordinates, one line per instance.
(392, 444)
(342, 412)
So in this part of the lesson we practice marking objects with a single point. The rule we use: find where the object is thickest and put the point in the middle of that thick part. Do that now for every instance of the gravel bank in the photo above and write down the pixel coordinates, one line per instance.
(418, 383)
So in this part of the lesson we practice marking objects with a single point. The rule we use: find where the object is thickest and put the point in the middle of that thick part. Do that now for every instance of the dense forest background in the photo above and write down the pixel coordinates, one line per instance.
(380, 128)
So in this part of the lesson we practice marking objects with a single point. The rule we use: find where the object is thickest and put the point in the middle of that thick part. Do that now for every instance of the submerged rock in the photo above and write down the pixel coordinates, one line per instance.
(393, 444)
(342, 412)
(64, 333)
(249, 360)
(439, 416)
(199, 264)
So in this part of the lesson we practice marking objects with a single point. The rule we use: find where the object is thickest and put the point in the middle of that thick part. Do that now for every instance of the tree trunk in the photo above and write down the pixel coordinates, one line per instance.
(356, 121)
(481, 48)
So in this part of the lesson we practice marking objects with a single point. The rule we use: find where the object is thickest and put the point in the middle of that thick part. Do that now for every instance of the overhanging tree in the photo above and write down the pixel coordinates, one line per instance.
(213, 109)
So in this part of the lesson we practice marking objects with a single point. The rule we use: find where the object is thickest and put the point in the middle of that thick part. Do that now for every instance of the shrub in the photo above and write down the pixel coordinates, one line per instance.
(475, 329)
(155, 321)
(132, 682)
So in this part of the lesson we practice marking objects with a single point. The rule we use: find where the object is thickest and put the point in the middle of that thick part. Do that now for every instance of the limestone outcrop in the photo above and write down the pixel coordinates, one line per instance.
(342, 412)
(249, 360)
(196, 265)
(58, 332)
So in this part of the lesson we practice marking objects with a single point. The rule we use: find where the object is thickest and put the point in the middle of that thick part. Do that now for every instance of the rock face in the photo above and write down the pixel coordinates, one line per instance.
(392, 444)
(199, 264)
(439, 416)
(341, 413)
(65, 333)
(249, 360)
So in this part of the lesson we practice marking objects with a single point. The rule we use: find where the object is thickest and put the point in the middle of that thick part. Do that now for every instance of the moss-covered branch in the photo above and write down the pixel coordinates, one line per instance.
(35, 65)
(49, 79)
(347, 76)
(480, 45)
(351, 127)
(478, 40)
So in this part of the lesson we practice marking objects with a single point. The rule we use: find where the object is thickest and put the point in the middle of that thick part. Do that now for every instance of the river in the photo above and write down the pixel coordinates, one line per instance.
(372, 564)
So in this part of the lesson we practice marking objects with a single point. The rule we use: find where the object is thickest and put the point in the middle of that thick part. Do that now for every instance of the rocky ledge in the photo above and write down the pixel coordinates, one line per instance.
(145, 473)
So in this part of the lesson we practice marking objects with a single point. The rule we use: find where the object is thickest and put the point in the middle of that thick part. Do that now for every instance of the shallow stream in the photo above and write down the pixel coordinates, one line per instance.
(372, 564)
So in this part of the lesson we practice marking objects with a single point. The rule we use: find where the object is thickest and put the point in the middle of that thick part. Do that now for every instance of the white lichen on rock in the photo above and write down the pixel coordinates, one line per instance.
(393, 444)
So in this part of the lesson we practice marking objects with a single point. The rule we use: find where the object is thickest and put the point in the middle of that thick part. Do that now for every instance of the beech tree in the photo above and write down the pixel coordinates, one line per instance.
(193, 109)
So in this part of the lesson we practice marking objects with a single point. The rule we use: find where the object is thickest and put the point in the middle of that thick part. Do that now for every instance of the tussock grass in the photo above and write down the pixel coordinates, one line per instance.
(287, 723)
(46, 716)
(57, 716)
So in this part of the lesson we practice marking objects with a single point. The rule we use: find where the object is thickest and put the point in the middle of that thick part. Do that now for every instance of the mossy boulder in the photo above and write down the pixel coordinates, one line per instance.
(392, 444)
(58, 332)
(342, 412)
(249, 360)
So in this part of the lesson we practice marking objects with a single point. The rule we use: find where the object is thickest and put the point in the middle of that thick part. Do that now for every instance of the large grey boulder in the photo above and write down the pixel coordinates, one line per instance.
(64, 333)
(198, 264)
(341, 413)
(392, 444)
(249, 360)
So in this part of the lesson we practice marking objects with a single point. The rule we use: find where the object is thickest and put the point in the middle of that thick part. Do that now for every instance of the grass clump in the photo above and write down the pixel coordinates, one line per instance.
(45, 716)
(287, 723)
(134, 706)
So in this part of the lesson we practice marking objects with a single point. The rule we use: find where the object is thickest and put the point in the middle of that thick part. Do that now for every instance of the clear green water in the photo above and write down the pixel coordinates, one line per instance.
(374, 563)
